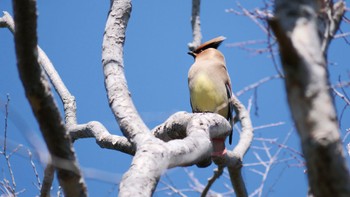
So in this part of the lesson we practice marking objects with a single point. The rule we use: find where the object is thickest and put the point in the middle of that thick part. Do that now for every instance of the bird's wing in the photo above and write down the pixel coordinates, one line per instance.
(230, 109)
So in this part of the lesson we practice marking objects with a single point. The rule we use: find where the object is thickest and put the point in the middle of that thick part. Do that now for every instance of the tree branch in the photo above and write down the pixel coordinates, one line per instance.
(155, 156)
(103, 138)
(233, 159)
(173, 128)
(217, 173)
(7, 21)
(119, 96)
(201, 128)
(186, 138)
(67, 99)
(196, 26)
(92, 129)
(152, 156)
(41, 100)
(329, 19)
(296, 28)
(47, 182)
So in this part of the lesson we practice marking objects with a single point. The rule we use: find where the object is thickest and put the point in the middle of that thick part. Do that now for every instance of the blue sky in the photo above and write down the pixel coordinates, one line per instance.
(156, 66)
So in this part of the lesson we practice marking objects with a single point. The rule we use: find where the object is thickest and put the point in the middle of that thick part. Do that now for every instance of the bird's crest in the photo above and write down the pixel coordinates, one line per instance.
(213, 43)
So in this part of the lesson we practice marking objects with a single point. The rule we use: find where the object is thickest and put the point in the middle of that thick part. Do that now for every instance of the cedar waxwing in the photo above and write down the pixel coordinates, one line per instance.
(209, 82)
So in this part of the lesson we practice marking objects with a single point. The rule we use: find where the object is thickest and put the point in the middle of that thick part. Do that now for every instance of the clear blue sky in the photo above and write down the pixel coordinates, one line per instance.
(156, 66)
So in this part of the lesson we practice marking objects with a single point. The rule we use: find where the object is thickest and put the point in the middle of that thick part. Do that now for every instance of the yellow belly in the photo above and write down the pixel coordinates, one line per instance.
(207, 96)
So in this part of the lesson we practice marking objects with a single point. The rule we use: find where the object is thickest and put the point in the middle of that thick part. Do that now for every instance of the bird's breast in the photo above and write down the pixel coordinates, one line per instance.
(206, 93)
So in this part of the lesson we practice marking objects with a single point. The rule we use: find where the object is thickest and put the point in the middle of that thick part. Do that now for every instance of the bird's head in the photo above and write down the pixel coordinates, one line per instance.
(192, 53)
(213, 43)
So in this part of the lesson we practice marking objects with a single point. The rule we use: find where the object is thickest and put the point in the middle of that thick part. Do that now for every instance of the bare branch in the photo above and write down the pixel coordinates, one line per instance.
(7, 21)
(173, 128)
(103, 138)
(233, 159)
(11, 190)
(246, 135)
(197, 185)
(67, 99)
(269, 125)
(342, 96)
(173, 189)
(253, 18)
(201, 128)
(346, 135)
(119, 96)
(34, 168)
(47, 181)
(329, 21)
(196, 26)
(41, 100)
(153, 156)
(6, 123)
(309, 98)
(217, 173)
(272, 159)
(257, 84)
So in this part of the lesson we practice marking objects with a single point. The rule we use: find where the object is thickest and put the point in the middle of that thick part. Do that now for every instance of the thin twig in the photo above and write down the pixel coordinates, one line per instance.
(6, 122)
(269, 164)
(34, 168)
(217, 173)
(269, 125)
(4, 152)
(257, 84)
(342, 96)
(173, 189)
(253, 18)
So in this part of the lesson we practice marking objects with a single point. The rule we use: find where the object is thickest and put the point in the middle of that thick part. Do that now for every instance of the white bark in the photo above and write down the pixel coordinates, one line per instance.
(196, 26)
(153, 155)
(306, 79)
(184, 139)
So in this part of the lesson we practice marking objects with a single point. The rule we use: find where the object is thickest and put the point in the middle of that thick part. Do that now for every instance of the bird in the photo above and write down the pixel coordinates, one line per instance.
(209, 82)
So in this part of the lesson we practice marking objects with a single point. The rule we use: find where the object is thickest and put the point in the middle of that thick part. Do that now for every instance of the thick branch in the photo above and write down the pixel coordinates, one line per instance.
(41, 100)
(154, 156)
(173, 128)
(119, 96)
(201, 129)
(47, 181)
(309, 98)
